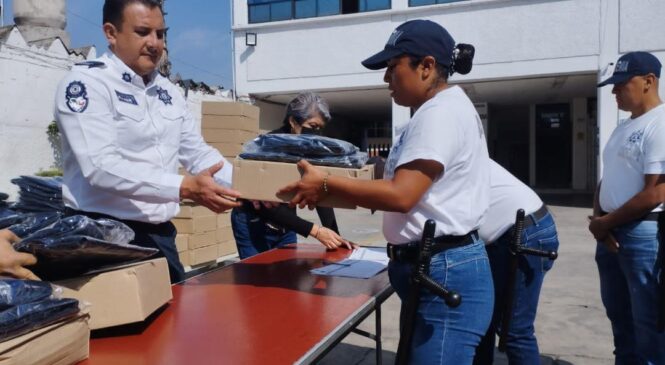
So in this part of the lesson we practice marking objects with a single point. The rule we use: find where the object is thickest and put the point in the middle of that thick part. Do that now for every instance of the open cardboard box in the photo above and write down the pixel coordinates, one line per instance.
(260, 180)
(123, 294)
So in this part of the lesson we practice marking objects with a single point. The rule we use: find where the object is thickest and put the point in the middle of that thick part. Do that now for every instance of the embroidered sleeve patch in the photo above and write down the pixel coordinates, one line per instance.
(91, 64)
(126, 98)
(77, 97)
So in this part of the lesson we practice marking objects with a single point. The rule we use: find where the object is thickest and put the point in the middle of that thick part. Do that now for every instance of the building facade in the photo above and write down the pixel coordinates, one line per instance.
(534, 78)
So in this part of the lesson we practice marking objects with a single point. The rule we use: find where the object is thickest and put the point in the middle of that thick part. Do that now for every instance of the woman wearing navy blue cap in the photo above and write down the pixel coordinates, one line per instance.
(438, 169)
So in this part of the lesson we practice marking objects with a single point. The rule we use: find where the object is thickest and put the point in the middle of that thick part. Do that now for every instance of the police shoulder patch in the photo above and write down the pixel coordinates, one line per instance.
(91, 64)
(76, 96)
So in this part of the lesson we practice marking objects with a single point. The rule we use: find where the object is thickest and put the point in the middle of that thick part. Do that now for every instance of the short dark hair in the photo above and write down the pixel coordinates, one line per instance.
(113, 9)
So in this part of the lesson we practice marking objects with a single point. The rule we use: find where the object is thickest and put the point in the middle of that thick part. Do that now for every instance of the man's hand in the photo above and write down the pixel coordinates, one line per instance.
(203, 189)
(309, 189)
(598, 227)
(12, 262)
(611, 243)
(329, 238)
(602, 234)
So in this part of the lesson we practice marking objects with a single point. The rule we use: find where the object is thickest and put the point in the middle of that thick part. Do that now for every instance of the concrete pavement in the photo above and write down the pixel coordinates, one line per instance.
(571, 325)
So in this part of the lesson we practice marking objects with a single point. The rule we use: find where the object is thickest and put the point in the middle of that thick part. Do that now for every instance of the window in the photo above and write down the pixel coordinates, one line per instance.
(431, 2)
(261, 11)
(372, 5)
(314, 8)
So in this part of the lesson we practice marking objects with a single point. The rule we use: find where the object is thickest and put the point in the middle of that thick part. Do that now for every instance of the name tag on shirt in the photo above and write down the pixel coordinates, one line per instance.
(126, 98)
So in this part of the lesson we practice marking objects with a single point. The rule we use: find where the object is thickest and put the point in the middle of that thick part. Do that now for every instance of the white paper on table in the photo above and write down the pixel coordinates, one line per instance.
(363, 263)
(375, 254)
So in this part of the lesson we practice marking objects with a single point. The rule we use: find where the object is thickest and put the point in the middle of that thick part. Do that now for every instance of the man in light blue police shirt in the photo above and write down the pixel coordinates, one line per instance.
(125, 128)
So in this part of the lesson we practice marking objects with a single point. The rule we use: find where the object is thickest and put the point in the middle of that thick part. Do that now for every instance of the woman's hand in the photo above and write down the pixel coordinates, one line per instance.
(12, 262)
(309, 190)
(329, 238)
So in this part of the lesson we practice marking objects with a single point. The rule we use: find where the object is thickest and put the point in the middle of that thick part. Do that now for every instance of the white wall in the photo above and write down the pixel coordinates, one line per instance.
(512, 38)
(28, 80)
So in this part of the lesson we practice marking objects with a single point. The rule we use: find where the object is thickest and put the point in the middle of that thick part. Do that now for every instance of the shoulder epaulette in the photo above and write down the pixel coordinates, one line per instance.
(91, 64)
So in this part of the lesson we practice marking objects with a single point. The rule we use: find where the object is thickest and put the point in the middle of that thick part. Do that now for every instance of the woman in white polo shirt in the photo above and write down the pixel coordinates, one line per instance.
(438, 169)
(507, 195)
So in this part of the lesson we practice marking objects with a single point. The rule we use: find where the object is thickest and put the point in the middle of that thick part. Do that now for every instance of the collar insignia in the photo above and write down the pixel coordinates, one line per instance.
(164, 96)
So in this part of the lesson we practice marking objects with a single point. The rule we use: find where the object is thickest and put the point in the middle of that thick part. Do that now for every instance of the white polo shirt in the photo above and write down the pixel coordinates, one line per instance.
(635, 148)
(122, 141)
(446, 129)
(507, 195)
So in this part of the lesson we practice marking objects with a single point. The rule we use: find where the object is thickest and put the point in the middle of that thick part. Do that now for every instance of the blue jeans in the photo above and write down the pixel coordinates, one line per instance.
(253, 235)
(629, 290)
(444, 335)
(521, 345)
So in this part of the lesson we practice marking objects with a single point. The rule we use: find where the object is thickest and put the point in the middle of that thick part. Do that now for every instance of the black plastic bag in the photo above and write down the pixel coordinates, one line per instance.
(48, 185)
(78, 244)
(15, 292)
(80, 225)
(300, 145)
(292, 148)
(23, 224)
(39, 194)
(24, 318)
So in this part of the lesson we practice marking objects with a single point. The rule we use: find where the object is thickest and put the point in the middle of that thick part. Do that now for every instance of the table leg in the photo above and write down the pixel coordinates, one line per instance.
(379, 351)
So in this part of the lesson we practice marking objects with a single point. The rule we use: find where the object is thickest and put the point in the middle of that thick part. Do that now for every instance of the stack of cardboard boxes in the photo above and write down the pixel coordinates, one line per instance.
(226, 126)
(203, 236)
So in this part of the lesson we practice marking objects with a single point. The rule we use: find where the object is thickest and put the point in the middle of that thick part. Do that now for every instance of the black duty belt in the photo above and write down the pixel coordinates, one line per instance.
(534, 217)
(409, 251)
(653, 216)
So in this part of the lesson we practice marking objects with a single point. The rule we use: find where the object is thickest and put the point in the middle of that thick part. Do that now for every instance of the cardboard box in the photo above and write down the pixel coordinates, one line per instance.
(181, 242)
(227, 136)
(199, 240)
(224, 219)
(229, 108)
(223, 234)
(203, 255)
(226, 248)
(184, 258)
(62, 343)
(195, 225)
(227, 149)
(260, 180)
(230, 122)
(125, 294)
(191, 210)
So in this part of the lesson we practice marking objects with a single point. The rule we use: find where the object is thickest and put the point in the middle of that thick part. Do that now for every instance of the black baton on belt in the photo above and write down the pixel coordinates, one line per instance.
(517, 249)
(420, 279)
(661, 275)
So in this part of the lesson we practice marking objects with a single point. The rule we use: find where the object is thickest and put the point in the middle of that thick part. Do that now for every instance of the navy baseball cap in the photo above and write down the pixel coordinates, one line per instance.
(418, 38)
(633, 64)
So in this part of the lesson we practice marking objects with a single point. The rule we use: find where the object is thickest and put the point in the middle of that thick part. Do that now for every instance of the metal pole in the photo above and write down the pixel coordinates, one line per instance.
(233, 52)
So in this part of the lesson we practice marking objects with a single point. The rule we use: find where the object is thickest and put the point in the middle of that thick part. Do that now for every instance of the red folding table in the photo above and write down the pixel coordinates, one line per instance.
(268, 309)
